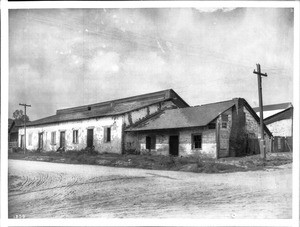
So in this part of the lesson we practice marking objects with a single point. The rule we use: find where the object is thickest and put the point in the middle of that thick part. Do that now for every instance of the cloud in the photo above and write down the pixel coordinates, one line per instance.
(104, 63)
(205, 54)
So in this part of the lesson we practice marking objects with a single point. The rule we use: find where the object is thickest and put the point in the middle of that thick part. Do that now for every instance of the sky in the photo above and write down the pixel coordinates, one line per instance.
(61, 58)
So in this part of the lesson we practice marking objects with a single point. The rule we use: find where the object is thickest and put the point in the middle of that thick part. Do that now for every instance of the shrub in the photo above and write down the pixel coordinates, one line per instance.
(132, 151)
(18, 149)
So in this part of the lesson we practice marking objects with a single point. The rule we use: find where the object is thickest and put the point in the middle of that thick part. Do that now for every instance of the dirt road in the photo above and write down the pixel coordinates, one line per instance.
(46, 190)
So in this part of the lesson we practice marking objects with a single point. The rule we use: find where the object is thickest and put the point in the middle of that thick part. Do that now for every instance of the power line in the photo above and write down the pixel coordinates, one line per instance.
(147, 41)
(191, 50)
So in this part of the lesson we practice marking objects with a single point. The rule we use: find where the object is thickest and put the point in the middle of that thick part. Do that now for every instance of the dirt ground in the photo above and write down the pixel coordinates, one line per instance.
(55, 190)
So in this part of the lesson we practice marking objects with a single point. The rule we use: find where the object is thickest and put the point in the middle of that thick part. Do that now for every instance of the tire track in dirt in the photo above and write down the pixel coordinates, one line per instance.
(92, 191)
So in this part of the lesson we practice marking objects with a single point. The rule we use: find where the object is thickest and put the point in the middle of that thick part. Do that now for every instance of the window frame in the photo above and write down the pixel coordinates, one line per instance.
(107, 134)
(212, 125)
(152, 145)
(224, 117)
(224, 125)
(30, 139)
(53, 138)
(194, 142)
(22, 141)
(75, 136)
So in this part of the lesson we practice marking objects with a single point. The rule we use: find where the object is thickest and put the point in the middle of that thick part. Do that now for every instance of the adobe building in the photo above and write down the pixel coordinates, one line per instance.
(155, 123)
(98, 126)
(216, 130)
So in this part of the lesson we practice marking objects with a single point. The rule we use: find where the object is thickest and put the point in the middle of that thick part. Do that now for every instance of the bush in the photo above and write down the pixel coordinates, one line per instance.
(19, 150)
(89, 150)
(132, 151)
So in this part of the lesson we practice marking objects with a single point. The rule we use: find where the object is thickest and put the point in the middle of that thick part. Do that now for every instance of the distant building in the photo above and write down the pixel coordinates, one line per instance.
(222, 129)
(13, 134)
(279, 120)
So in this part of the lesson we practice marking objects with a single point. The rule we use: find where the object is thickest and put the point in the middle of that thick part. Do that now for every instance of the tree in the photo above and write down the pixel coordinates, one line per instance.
(19, 117)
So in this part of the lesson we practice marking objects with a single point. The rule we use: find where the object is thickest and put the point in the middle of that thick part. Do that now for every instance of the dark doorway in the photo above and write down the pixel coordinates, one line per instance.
(40, 140)
(22, 141)
(148, 142)
(283, 144)
(252, 146)
(90, 137)
(62, 141)
(173, 145)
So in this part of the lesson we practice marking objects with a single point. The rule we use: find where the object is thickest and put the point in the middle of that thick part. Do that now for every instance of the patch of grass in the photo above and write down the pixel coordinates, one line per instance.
(159, 162)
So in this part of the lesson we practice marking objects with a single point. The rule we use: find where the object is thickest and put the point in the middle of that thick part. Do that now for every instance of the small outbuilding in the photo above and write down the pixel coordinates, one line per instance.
(281, 126)
(279, 119)
(223, 129)
(13, 134)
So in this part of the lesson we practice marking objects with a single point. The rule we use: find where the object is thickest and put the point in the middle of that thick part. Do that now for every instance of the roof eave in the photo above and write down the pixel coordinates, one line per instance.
(99, 116)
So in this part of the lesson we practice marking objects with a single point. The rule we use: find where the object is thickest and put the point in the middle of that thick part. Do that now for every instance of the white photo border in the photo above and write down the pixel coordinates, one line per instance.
(5, 6)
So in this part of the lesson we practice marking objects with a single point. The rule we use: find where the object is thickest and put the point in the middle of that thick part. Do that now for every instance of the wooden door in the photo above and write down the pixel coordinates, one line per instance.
(279, 144)
(40, 141)
(22, 141)
(62, 141)
(90, 137)
(174, 145)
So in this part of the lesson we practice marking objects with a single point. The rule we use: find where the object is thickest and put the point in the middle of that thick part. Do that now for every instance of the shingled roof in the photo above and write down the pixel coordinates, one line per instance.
(196, 116)
(111, 108)
(185, 117)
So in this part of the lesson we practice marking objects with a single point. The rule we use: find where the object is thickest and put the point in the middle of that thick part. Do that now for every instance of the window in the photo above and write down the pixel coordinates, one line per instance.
(53, 138)
(197, 141)
(224, 117)
(150, 142)
(22, 141)
(75, 136)
(212, 125)
(30, 139)
(224, 125)
(107, 134)
(279, 143)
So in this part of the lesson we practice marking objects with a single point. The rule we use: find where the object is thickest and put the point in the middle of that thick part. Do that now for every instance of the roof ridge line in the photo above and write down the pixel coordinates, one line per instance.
(218, 102)
(116, 100)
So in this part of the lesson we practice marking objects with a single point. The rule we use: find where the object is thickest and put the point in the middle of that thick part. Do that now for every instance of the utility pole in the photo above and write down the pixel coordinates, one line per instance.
(25, 105)
(262, 141)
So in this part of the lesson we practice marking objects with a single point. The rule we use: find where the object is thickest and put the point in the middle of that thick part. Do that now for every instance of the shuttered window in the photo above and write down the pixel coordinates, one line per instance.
(107, 134)
(53, 138)
(197, 141)
(151, 142)
(30, 139)
(224, 117)
(22, 141)
(75, 136)
(212, 125)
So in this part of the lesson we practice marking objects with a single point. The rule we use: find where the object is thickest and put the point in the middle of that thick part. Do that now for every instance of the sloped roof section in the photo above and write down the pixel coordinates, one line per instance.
(279, 106)
(196, 116)
(285, 114)
(111, 108)
(184, 117)
(15, 125)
